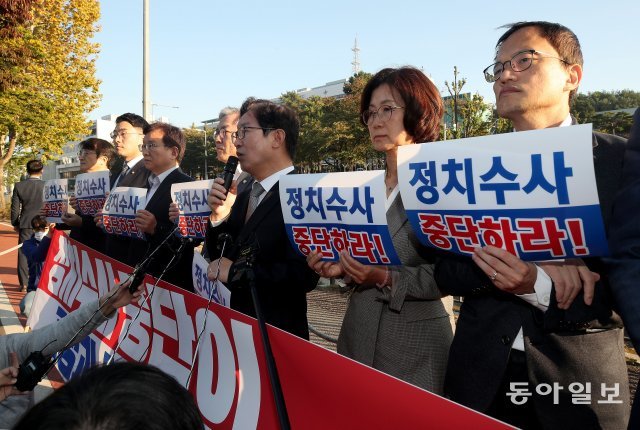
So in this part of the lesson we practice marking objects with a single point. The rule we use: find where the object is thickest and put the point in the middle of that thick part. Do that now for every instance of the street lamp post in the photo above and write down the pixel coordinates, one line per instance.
(206, 172)
(153, 118)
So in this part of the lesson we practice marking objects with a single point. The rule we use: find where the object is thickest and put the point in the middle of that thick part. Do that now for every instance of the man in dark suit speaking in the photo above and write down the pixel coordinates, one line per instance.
(540, 328)
(26, 202)
(266, 142)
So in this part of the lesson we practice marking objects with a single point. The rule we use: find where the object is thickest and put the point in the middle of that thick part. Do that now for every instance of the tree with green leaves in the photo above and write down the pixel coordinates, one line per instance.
(311, 142)
(593, 108)
(193, 162)
(44, 101)
(347, 139)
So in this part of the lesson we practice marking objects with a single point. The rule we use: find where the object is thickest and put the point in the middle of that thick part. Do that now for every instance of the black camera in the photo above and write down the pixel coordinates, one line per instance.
(32, 370)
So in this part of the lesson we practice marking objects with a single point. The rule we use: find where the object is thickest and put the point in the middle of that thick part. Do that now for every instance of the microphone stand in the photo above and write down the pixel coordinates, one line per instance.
(276, 388)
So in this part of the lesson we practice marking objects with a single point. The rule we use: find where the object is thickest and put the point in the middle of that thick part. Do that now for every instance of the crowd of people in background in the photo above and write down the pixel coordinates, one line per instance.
(520, 324)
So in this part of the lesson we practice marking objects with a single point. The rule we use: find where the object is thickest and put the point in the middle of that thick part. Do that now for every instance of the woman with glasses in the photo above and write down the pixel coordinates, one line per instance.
(396, 320)
(94, 155)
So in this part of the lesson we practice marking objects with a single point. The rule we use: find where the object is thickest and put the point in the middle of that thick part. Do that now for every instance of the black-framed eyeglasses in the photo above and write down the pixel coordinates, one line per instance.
(122, 133)
(148, 146)
(242, 131)
(85, 152)
(384, 112)
(519, 63)
(223, 132)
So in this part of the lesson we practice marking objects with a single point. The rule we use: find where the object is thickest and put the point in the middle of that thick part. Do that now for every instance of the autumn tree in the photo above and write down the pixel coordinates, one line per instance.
(44, 101)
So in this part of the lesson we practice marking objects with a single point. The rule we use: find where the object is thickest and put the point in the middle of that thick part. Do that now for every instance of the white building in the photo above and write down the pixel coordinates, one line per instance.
(333, 89)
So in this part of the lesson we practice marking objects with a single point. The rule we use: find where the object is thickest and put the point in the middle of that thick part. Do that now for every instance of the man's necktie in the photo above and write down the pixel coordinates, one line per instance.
(256, 191)
(123, 173)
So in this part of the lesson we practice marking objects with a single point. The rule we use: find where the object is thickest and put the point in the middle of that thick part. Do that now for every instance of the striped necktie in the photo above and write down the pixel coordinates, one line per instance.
(254, 198)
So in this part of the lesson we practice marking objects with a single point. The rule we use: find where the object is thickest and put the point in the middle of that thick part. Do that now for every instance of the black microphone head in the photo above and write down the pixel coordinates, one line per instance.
(223, 238)
(232, 164)
(229, 171)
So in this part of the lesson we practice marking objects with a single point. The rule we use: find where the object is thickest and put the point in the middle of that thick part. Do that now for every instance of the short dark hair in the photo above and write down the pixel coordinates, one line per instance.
(274, 115)
(133, 119)
(423, 108)
(119, 396)
(563, 40)
(38, 222)
(173, 136)
(102, 148)
(248, 103)
(34, 166)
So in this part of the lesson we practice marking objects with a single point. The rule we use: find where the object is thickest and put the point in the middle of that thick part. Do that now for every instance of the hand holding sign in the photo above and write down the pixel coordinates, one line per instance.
(363, 274)
(326, 269)
(506, 271)
(569, 277)
(512, 275)
(146, 221)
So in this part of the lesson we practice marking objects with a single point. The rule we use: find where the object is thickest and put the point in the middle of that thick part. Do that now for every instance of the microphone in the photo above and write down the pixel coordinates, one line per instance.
(223, 239)
(229, 171)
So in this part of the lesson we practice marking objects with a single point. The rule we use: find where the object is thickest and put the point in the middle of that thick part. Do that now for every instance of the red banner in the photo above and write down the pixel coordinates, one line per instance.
(322, 389)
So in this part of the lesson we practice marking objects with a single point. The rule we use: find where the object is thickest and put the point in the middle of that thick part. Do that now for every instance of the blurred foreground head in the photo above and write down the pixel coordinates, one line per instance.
(120, 396)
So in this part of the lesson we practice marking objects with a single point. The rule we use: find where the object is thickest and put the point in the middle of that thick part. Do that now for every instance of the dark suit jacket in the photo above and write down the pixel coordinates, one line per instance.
(180, 272)
(560, 346)
(118, 246)
(624, 243)
(26, 202)
(282, 277)
(137, 176)
(245, 180)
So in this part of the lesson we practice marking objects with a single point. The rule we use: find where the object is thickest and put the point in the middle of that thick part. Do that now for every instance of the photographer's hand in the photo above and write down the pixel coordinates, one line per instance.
(8, 378)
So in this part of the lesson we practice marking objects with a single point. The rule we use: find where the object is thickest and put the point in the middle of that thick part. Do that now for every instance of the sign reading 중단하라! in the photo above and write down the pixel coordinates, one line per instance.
(532, 193)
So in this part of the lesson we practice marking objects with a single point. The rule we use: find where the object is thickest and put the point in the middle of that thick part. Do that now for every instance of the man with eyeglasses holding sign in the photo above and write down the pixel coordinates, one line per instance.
(540, 329)
(127, 138)
(162, 148)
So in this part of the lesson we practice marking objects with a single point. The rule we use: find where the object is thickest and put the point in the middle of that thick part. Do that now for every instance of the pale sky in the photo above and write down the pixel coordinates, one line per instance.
(206, 55)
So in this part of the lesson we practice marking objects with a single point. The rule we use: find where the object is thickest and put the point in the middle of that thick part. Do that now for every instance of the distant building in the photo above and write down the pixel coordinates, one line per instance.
(67, 165)
(334, 89)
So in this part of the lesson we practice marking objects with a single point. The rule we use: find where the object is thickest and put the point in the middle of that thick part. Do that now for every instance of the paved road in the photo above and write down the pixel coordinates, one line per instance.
(11, 321)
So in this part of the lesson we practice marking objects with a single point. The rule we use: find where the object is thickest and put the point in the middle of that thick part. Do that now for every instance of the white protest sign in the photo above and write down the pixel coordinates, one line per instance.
(204, 287)
(119, 212)
(55, 199)
(532, 193)
(91, 190)
(191, 198)
(332, 212)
